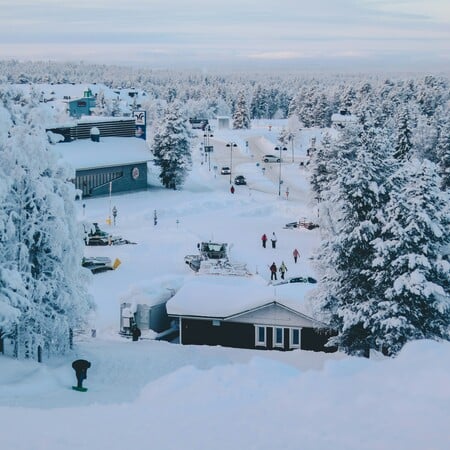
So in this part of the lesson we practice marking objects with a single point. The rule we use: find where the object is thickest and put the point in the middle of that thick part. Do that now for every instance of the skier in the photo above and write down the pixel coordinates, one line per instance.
(283, 269)
(295, 254)
(264, 240)
(273, 271)
(273, 239)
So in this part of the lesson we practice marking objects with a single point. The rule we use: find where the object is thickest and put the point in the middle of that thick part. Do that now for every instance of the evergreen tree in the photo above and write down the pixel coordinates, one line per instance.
(410, 275)
(241, 119)
(443, 154)
(403, 142)
(41, 245)
(353, 200)
(171, 148)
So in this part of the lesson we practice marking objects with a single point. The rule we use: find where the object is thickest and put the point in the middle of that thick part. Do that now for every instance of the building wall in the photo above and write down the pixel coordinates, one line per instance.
(93, 182)
(242, 335)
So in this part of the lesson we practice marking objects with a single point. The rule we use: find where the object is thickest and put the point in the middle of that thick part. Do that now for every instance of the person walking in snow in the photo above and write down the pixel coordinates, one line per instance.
(283, 269)
(264, 240)
(295, 254)
(273, 271)
(273, 239)
(232, 189)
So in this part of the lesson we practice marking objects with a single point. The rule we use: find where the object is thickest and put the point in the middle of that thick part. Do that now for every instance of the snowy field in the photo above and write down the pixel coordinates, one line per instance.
(157, 395)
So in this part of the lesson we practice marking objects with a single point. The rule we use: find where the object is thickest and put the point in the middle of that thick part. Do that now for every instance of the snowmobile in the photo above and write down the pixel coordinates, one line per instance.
(213, 260)
(95, 236)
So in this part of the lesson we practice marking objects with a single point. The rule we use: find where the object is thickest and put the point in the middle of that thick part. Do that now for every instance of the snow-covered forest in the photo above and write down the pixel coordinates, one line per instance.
(370, 164)
(382, 183)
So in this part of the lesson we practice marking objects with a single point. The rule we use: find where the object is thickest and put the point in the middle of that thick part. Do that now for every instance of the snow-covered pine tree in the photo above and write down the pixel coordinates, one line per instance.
(410, 274)
(41, 243)
(353, 200)
(171, 148)
(443, 154)
(319, 168)
(258, 106)
(241, 119)
(403, 143)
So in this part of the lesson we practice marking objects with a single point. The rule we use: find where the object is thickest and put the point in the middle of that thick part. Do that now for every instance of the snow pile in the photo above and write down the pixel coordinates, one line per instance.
(263, 404)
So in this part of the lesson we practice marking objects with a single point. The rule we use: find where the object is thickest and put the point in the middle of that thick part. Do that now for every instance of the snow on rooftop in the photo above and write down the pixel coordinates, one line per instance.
(95, 119)
(223, 296)
(152, 292)
(110, 151)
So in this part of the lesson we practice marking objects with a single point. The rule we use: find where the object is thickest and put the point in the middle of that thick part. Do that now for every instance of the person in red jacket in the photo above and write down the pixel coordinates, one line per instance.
(295, 254)
(264, 240)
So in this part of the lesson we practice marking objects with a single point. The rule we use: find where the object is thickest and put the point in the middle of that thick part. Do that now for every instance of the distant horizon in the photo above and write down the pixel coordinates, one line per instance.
(237, 69)
(319, 35)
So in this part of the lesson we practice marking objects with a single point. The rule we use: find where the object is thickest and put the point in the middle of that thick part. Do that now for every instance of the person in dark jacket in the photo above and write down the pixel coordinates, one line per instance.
(273, 271)
(136, 333)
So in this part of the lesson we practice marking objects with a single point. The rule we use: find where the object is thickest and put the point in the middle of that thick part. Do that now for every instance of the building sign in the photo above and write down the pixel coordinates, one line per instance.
(135, 173)
(140, 120)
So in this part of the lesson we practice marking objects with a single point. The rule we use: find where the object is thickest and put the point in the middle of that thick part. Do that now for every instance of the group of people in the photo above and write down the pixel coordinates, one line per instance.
(273, 239)
(273, 270)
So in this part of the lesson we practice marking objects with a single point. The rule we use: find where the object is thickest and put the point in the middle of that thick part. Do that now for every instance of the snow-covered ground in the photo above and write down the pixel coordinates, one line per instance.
(152, 394)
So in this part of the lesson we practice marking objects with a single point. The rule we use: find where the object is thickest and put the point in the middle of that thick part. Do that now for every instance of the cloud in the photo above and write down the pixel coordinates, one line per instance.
(286, 30)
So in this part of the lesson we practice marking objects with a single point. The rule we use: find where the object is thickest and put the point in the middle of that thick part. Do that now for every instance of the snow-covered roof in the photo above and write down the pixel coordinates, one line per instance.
(223, 296)
(343, 118)
(89, 119)
(110, 151)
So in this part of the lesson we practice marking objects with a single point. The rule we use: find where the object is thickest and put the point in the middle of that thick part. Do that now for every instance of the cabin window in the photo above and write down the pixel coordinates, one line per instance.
(216, 323)
(278, 337)
(294, 338)
(260, 336)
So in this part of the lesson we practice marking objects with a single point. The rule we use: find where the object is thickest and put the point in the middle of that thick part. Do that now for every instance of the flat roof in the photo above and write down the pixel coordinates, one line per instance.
(110, 151)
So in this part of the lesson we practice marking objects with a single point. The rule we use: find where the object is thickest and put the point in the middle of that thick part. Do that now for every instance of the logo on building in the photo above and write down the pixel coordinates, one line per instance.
(140, 121)
(135, 173)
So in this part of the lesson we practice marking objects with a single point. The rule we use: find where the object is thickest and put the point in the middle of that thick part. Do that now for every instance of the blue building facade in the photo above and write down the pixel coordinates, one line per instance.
(82, 106)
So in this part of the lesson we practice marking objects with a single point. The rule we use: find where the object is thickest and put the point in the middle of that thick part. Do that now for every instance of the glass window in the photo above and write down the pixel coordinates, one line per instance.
(295, 338)
(278, 338)
(260, 336)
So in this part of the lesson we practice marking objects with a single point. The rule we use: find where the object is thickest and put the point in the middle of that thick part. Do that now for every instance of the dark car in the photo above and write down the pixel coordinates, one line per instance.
(240, 180)
(302, 280)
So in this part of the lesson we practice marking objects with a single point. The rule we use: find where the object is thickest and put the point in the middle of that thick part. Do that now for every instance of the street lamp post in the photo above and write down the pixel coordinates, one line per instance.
(206, 146)
(291, 140)
(231, 145)
(279, 148)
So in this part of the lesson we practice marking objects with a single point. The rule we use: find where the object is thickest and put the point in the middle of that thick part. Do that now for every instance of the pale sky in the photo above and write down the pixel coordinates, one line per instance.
(292, 34)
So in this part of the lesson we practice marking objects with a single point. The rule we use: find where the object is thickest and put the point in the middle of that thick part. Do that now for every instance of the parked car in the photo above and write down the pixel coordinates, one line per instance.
(225, 170)
(270, 158)
(240, 180)
(302, 280)
(304, 223)
(310, 280)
